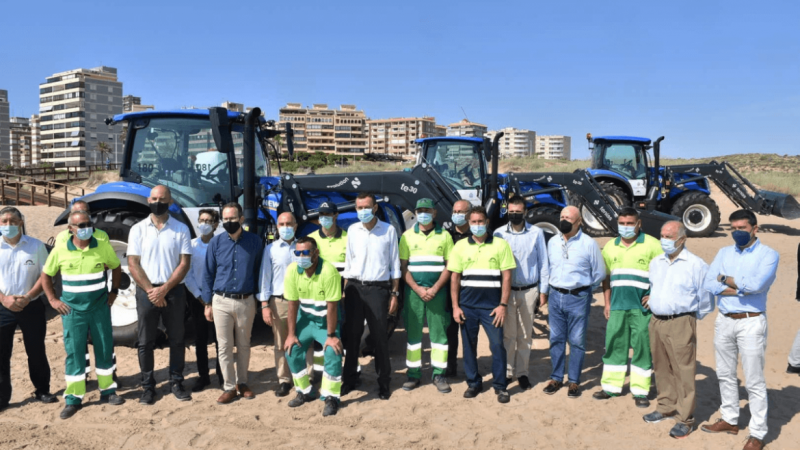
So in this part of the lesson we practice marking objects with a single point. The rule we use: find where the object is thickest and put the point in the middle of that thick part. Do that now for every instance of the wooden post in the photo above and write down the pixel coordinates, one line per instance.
(33, 195)
(2, 191)
(49, 194)
(17, 189)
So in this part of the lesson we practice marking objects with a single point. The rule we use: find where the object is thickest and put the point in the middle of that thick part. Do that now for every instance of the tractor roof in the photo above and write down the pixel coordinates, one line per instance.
(449, 138)
(191, 113)
(623, 138)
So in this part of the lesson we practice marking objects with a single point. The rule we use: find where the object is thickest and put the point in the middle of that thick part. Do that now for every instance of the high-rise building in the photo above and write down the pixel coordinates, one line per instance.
(19, 141)
(231, 106)
(341, 131)
(553, 147)
(134, 104)
(72, 108)
(5, 151)
(465, 128)
(397, 136)
(36, 152)
(515, 142)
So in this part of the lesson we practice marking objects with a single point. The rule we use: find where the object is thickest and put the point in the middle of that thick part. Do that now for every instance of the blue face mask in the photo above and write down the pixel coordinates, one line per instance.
(304, 262)
(365, 215)
(326, 221)
(9, 231)
(741, 237)
(626, 231)
(85, 234)
(287, 233)
(478, 230)
(668, 246)
(424, 218)
(459, 219)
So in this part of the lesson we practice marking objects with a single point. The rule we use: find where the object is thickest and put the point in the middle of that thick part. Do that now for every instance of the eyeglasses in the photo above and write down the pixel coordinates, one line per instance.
(83, 225)
(302, 252)
(209, 222)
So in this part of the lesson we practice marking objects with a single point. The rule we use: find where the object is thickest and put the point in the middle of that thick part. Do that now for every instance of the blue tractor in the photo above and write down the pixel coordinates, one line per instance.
(630, 175)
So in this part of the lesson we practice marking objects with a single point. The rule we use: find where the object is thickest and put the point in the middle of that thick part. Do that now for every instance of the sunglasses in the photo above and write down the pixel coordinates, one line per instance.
(302, 252)
(83, 225)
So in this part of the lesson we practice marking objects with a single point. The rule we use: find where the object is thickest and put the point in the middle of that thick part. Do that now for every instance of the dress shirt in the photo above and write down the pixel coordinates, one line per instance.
(575, 263)
(676, 286)
(372, 255)
(194, 278)
(753, 270)
(277, 256)
(232, 266)
(530, 254)
(160, 250)
(21, 265)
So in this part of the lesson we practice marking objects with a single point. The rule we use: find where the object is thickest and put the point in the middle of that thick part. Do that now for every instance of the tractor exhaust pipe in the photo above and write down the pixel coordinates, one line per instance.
(657, 154)
(249, 166)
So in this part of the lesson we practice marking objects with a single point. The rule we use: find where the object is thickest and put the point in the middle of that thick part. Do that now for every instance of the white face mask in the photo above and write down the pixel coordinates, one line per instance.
(205, 229)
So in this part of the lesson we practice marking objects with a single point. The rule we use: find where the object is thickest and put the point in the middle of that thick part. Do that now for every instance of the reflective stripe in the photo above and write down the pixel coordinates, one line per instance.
(319, 354)
(318, 303)
(85, 277)
(439, 346)
(75, 378)
(631, 283)
(337, 265)
(636, 272)
(318, 368)
(489, 272)
(612, 389)
(300, 374)
(80, 289)
(414, 346)
(105, 371)
(427, 258)
(638, 391)
(425, 268)
(304, 391)
(314, 311)
(327, 393)
(73, 395)
(480, 284)
(641, 372)
(440, 365)
(331, 377)
(414, 363)
(614, 368)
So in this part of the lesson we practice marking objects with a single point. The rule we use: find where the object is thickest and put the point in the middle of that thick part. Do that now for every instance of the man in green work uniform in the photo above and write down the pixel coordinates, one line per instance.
(313, 289)
(65, 235)
(627, 260)
(424, 251)
(84, 307)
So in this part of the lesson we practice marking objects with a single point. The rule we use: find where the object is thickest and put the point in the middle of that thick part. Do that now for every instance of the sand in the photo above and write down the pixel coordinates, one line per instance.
(422, 418)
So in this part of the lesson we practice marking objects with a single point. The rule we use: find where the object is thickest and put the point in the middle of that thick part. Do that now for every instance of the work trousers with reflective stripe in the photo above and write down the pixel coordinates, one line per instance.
(76, 326)
(280, 330)
(625, 330)
(674, 347)
(310, 331)
(518, 331)
(416, 311)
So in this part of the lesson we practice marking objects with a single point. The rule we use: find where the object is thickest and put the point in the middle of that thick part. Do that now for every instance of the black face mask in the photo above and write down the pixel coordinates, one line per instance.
(159, 209)
(231, 227)
(515, 218)
(565, 226)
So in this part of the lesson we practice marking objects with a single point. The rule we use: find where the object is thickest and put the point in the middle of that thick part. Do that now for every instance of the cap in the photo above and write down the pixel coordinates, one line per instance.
(424, 203)
(328, 208)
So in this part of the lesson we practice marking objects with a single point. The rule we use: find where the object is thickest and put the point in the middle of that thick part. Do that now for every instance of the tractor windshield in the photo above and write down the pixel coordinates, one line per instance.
(459, 162)
(625, 158)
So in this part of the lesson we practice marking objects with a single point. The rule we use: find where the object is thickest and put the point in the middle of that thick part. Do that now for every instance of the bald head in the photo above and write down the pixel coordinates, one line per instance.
(673, 230)
(80, 205)
(571, 213)
(160, 194)
(462, 206)
(286, 220)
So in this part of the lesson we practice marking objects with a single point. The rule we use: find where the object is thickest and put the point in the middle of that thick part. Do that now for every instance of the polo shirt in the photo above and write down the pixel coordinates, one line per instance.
(426, 253)
(629, 268)
(65, 235)
(21, 265)
(83, 272)
(332, 248)
(481, 266)
(314, 292)
(160, 250)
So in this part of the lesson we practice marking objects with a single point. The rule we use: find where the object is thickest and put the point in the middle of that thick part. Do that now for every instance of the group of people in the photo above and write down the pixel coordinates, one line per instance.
(319, 291)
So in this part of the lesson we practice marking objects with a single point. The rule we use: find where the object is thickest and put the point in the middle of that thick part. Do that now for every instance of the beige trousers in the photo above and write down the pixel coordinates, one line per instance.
(233, 320)
(673, 346)
(280, 330)
(517, 331)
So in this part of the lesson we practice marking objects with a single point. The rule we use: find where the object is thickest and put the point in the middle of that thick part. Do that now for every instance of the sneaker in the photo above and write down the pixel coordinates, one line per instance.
(602, 395)
(720, 426)
(331, 407)
(410, 384)
(472, 392)
(180, 393)
(46, 398)
(524, 383)
(574, 390)
(656, 417)
(552, 387)
(502, 396)
(283, 390)
(201, 384)
(641, 402)
(441, 384)
(69, 411)
(112, 399)
(300, 399)
(148, 397)
(680, 430)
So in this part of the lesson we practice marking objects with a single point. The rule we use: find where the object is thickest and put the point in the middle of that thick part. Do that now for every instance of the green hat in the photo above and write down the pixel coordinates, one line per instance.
(424, 203)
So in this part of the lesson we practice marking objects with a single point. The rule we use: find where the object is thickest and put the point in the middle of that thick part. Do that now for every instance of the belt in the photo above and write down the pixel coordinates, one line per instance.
(743, 315)
(233, 296)
(524, 288)
(673, 316)
(371, 283)
(570, 291)
(157, 284)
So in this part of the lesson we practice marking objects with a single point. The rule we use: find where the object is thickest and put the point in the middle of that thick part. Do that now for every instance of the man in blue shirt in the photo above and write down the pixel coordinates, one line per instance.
(740, 277)
(233, 262)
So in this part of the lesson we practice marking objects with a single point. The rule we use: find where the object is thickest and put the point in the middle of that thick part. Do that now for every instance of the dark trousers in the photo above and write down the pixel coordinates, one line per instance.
(172, 317)
(370, 303)
(202, 329)
(452, 337)
(31, 321)
(475, 318)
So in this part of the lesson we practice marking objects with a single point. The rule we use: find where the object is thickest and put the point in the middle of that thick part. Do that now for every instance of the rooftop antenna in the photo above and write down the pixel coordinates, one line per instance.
(465, 113)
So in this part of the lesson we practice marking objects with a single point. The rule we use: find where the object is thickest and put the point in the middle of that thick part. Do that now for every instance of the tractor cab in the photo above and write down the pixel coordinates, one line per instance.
(625, 156)
(461, 162)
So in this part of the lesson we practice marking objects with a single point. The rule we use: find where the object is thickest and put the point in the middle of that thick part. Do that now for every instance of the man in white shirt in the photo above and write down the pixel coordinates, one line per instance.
(159, 257)
(372, 281)
(21, 261)
(677, 300)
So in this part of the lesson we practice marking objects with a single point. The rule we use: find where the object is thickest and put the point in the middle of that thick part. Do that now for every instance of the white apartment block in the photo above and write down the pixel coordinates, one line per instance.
(465, 128)
(341, 131)
(5, 150)
(554, 147)
(396, 136)
(515, 142)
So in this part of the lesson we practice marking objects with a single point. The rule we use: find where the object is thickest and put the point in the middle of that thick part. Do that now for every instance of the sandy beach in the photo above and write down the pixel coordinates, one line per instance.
(423, 418)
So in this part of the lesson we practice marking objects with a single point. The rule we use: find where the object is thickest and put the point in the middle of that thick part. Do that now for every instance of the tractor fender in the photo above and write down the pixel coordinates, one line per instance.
(613, 178)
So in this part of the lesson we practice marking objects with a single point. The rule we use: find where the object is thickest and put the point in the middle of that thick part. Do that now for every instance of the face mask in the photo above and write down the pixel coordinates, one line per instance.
(205, 229)
(565, 226)
(741, 237)
(326, 221)
(459, 219)
(478, 230)
(515, 218)
(304, 262)
(627, 231)
(668, 246)
(85, 234)
(231, 227)
(9, 231)
(365, 215)
(287, 233)
(159, 209)
(424, 218)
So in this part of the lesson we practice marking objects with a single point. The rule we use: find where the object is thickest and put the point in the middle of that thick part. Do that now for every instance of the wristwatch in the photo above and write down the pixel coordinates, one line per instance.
(723, 279)
(395, 293)
(114, 290)
(504, 305)
(264, 305)
(331, 334)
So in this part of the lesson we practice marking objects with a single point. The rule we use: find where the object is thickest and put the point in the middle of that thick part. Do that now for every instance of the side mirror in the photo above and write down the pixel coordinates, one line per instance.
(487, 149)
(220, 129)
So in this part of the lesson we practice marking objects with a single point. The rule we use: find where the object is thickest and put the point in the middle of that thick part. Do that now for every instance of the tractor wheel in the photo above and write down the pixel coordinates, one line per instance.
(591, 225)
(546, 218)
(699, 213)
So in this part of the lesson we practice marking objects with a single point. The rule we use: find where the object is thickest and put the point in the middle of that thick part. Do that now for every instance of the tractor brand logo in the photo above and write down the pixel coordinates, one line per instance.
(578, 182)
(356, 183)
(272, 204)
(549, 179)
(29, 263)
(339, 184)
(596, 202)
(405, 188)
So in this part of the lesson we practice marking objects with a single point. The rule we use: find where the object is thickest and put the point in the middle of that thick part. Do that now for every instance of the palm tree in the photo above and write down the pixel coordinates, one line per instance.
(104, 149)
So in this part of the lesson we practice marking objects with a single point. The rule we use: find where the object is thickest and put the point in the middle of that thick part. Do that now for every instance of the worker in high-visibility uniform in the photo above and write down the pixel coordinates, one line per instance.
(424, 251)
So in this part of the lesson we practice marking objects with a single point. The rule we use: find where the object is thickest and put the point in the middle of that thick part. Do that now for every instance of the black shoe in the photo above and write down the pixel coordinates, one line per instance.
(112, 399)
(524, 383)
(602, 395)
(792, 369)
(69, 411)
(641, 402)
(384, 394)
(201, 384)
(502, 396)
(574, 390)
(331, 407)
(283, 390)
(552, 387)
(148, 397)
(180, 393)
(472, 392)
(350, 387)
(46, 398)
(301, 399)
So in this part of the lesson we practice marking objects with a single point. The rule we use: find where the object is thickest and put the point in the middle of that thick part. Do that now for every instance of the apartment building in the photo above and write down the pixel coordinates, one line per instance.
(72, 108)
(515, 142)
(554, 147)
(131, 103)
(19, 141)
(36, 153)
(5, 151)
(341, 131)
(465, 128)
(396, 136)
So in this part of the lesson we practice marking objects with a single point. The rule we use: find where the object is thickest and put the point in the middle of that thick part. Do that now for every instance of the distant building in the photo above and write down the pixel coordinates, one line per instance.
(515, 142)
(72, 108)
(36, 151)
(341, 131)
(554, 147)
(20, 142)
(5, 150)
(397, 136)
(134, 104)
(465, 128)
(237, 107)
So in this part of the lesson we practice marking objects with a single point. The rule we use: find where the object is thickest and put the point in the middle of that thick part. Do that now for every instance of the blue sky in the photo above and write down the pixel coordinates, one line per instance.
(714, 77)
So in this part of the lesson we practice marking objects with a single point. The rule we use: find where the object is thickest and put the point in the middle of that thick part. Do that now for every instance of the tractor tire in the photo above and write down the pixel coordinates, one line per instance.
(591, 225)
(699, 213)
(546, 218)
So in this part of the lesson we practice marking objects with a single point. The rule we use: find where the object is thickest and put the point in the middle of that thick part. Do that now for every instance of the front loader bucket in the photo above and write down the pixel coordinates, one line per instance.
(652, 221)
(783, 205)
